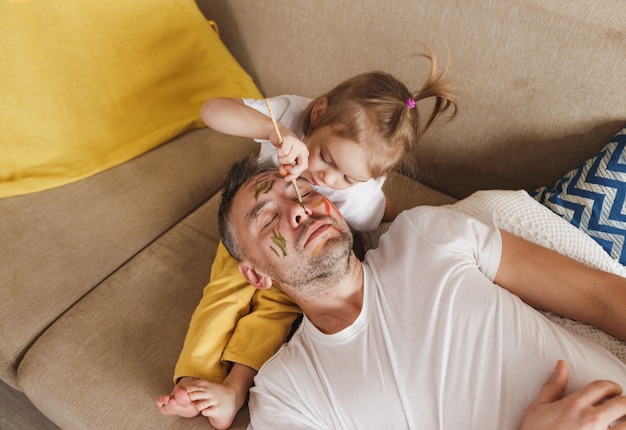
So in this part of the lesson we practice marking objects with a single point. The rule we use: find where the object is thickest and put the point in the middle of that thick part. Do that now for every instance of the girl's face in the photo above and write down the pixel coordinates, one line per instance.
(335, 162)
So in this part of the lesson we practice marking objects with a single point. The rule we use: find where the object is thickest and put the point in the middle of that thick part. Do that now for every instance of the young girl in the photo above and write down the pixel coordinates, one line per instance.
(343, 143)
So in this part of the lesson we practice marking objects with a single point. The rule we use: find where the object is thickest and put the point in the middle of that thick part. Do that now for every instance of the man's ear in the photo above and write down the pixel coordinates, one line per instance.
(318, 110)
(254, 278)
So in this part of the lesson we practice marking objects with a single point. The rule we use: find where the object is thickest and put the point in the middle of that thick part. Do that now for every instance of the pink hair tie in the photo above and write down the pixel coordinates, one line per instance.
(410, 103)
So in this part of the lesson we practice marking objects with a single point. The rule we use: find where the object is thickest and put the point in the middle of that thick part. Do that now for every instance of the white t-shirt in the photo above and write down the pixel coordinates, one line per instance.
(363, 204)
(437, 345)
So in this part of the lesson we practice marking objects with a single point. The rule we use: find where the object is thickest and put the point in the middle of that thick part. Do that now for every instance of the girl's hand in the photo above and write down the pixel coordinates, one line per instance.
(293, 154)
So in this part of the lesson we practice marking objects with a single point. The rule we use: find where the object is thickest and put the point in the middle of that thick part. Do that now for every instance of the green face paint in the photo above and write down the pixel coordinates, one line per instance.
(264, 187)
(280, 242)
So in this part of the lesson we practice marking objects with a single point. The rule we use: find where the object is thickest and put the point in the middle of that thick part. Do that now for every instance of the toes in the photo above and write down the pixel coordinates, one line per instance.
(182, 397)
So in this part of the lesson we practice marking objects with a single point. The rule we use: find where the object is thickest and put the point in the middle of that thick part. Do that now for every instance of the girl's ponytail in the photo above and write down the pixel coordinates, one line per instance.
(379, 112)
(437, 85)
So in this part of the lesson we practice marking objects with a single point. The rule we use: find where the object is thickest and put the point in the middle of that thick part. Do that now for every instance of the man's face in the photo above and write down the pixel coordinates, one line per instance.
(293, 245)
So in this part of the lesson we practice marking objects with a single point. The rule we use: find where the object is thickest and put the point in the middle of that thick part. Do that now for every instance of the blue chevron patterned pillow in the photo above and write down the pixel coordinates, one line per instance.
(591, 197)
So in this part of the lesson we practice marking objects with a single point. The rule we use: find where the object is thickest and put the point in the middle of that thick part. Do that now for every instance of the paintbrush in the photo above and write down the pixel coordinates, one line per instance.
(280, 142)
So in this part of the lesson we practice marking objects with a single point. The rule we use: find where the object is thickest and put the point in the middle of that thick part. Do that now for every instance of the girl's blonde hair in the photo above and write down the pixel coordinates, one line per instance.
(378, 111)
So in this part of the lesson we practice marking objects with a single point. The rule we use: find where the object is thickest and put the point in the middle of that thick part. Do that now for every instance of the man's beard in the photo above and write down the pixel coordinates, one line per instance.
(318, 273)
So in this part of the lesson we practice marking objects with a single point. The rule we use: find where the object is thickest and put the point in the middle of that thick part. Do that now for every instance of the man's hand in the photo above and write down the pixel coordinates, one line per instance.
(593, 407)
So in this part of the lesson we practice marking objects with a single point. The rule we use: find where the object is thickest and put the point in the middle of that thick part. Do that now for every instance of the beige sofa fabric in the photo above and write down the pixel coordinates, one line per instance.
(543, 82)
(405, 193)
(107, 359)
(62, 243)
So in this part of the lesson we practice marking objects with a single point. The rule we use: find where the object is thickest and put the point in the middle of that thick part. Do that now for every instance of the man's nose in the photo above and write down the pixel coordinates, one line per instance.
(299, 214)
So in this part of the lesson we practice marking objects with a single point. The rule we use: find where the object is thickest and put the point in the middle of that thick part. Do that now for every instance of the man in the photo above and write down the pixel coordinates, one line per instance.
(418, 335)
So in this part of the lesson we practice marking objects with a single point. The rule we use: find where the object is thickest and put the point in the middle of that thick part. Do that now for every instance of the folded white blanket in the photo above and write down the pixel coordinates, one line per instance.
(518, 213)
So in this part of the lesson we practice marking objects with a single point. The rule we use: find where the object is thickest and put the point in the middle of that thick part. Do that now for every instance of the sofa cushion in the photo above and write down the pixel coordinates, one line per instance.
(92, 84)
(591, 197)
(406, 193)
(121, 342)
(59, 244)
(541, 85)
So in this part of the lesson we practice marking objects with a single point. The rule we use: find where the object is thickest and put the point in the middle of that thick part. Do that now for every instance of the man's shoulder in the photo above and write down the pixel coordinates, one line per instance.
(427, 224)
(426, 216)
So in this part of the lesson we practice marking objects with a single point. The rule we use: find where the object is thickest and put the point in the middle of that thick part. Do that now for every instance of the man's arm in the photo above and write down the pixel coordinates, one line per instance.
(548, 280)
(593, 407)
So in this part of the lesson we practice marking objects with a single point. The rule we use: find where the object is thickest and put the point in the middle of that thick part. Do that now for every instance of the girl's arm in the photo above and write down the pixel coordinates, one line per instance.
(231, 116)
(551, 281)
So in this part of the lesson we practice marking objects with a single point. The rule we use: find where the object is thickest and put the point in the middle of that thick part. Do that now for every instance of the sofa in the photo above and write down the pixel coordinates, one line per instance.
(101, 267)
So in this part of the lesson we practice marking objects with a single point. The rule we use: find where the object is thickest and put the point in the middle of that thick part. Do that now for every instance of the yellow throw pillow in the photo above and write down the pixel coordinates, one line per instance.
(90, 84)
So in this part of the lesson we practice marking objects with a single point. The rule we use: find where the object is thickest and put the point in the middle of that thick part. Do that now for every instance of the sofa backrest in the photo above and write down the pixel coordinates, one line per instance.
(543, 82)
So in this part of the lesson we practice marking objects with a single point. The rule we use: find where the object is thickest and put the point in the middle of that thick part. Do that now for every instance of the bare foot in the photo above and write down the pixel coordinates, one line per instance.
(177, 402)
(215, 401)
